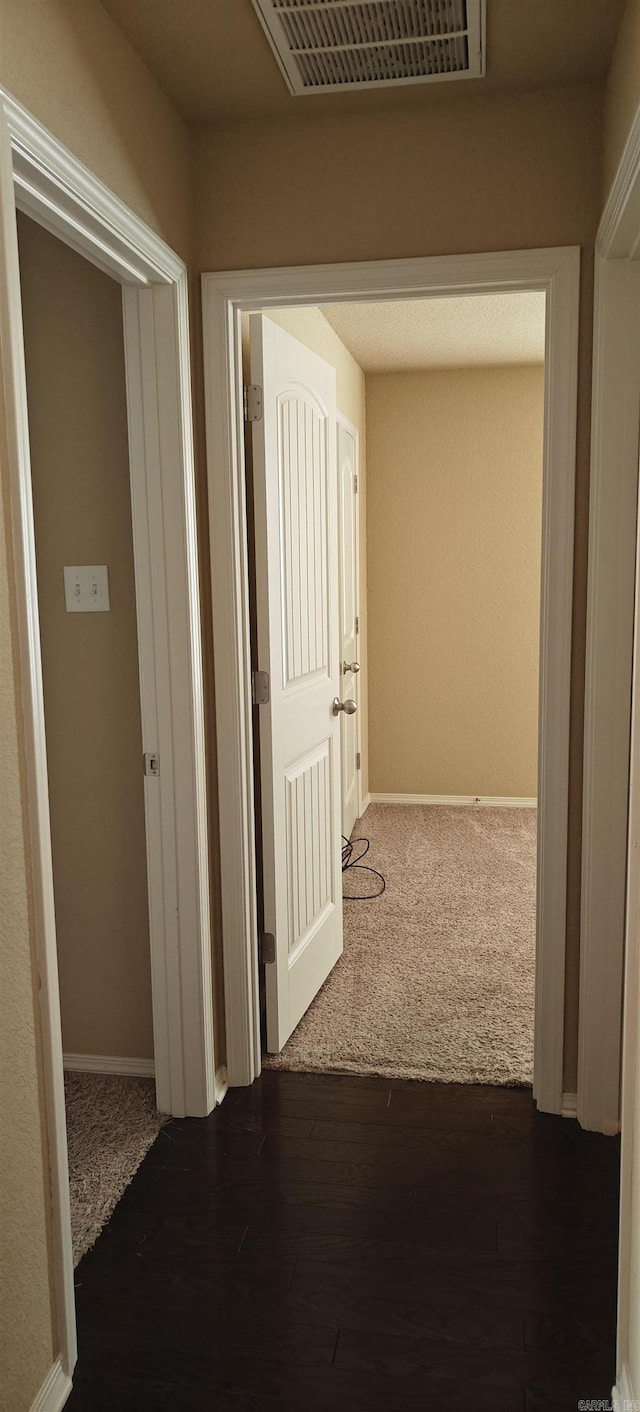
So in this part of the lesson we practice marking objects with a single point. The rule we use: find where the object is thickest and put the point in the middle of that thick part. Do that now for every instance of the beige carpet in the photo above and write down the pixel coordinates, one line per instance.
(111, 1124)
(437, 977)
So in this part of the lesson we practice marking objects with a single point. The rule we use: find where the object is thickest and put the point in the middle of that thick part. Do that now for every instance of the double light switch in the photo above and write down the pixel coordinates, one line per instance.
(86, 588)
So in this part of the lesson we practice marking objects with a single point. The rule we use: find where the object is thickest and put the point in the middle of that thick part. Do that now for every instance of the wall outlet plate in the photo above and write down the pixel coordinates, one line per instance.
(86, 588)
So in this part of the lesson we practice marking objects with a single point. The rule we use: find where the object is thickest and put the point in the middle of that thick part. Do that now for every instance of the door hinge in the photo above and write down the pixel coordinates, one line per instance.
(355, 485)
(260, 688)
(151, 763)
(252, 393)
(357, 625)
(358, 760)
(266, 948)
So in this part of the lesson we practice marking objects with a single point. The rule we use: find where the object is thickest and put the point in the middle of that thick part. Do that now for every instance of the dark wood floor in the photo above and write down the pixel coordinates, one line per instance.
(347, 1243)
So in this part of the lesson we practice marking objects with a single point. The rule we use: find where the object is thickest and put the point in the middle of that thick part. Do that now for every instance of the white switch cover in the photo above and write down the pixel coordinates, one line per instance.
(86, 588)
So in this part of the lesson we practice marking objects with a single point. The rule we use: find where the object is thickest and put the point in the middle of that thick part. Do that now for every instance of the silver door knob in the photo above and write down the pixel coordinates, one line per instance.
(350, 667)
(348, 706)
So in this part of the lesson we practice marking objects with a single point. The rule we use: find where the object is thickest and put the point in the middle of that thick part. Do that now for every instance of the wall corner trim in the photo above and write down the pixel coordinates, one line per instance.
(54, 1391)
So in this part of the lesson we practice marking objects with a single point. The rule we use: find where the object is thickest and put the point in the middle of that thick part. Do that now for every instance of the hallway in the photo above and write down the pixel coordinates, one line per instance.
(356, 1243)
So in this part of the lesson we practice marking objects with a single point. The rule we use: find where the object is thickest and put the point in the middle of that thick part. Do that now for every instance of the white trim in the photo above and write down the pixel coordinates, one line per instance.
(622, 1394)
(557, 273)
(39, 176)
(222, 1083)
(171, 693)
(364, 804)
(108, 1064)
(466, 801)
(609, 649)
(608, 674)
(54, 1391)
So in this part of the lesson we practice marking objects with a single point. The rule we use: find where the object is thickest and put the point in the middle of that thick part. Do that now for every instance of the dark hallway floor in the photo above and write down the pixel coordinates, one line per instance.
(353, 1243)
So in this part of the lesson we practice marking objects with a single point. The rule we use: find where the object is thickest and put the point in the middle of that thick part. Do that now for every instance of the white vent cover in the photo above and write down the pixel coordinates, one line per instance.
(324, 46)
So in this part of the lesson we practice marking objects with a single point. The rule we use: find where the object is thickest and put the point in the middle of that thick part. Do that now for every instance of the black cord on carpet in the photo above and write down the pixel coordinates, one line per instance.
(348, 862)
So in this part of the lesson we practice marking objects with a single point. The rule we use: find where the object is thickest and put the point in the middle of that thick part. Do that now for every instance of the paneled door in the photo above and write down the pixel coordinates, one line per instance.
(298, 643)
(349, 620)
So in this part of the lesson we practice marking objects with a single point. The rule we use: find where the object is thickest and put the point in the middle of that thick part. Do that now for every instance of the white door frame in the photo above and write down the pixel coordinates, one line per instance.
(610, 948)
(609, 655)
(342, 421)
(557, 273)
(41, 178)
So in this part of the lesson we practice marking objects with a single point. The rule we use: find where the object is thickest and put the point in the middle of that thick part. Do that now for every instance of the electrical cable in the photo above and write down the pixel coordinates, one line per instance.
(349, 862)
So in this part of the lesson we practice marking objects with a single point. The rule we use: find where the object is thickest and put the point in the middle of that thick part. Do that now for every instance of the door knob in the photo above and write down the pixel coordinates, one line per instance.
(350, 667)
(347, 706)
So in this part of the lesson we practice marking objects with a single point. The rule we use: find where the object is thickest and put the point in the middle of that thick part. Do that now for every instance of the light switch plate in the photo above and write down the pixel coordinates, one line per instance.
(86, 588)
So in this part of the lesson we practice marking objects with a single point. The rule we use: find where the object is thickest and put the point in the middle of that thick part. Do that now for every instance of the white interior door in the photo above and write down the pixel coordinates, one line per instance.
(349, 623)
(296, 534)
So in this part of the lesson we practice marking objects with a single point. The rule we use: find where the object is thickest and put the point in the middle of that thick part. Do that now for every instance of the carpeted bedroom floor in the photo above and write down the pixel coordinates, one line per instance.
(111, 1124)
(437, 977)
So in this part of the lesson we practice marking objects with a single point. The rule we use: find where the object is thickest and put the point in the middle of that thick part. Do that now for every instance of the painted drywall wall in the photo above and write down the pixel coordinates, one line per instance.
(510, 171)
(622, 94)
(454, 535)
(621, 103)
(74, 351)
(27, 1340)
(70, 66)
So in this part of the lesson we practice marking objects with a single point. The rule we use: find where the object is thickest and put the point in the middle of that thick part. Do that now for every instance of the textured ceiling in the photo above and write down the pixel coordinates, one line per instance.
(214, 62)
(479, 330)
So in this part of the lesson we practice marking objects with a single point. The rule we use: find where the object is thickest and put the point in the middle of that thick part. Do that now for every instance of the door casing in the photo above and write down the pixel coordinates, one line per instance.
(556, 272)
(610, 934)
(40, 177)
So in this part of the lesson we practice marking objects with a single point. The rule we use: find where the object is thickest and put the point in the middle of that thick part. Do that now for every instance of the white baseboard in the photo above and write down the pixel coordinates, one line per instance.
(221, 1083)
(366, 800)
(474, 801)
(54, 1391)
(622, 1394)
(108, 1064)
(569, 1105)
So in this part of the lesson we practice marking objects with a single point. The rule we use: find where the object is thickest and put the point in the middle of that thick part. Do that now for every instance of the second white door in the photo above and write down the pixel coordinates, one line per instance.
(349, 621)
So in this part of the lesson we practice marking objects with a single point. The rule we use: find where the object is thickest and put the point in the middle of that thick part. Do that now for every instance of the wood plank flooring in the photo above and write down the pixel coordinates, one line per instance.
(353, 1243)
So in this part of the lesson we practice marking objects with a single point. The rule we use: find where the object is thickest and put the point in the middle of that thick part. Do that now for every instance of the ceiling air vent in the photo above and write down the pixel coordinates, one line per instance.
(324, 46)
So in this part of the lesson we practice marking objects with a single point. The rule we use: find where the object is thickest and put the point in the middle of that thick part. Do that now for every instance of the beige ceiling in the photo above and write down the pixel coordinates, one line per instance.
(214, 62)
(475, 331)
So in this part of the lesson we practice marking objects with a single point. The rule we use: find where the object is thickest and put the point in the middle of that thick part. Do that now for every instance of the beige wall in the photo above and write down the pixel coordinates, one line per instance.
(506, 172)
(621, 102)
(82, 510)
(71, 67)
(623, 91)
(27, 1340)
(454, 534)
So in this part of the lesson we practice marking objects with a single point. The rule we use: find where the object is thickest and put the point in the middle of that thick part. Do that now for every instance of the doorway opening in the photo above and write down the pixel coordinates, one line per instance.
(80, 476)
(553, 275)
(438, 467)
